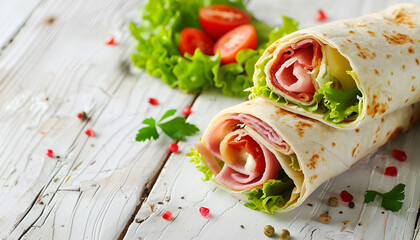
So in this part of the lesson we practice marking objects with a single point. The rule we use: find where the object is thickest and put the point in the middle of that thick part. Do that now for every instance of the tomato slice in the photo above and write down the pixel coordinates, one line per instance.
(251, 147)
(216, 20)
(191, 39)
(232, 42)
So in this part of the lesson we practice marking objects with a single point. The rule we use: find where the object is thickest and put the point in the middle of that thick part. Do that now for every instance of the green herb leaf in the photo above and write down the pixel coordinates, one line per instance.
(177, 128)
(168, 113)
(392, 200)
(148, 132)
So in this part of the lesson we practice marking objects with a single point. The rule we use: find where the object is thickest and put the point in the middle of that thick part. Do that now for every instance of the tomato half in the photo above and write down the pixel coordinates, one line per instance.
(217, 20)
(191, 39)
(232, 42)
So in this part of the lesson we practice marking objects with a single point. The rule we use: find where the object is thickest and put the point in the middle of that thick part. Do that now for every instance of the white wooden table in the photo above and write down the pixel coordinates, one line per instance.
(54, 64)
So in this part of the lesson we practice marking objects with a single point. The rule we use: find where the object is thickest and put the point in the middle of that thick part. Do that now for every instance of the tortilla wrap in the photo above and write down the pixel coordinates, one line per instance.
(374, 59)
(322, 152)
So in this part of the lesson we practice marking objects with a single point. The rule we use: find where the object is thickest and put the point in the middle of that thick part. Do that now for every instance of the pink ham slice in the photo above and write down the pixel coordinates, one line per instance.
(290, 72)
(236, 176)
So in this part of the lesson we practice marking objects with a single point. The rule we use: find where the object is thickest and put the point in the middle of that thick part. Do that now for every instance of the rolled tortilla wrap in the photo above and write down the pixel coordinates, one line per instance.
(346, 72)
(275, 159)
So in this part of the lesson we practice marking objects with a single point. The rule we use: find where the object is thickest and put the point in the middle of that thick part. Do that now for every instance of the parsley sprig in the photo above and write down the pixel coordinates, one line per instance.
(392, 200)
(176, 128)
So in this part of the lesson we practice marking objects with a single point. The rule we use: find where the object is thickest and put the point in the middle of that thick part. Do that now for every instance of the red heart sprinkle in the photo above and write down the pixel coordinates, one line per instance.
(167, 215)
(346, 196)
(153, 101)
(391, 171)
(399, 155)
(173, 148)
(321, 16)
(90, 132)
(50, 153)
(205, 212)
(187, 111)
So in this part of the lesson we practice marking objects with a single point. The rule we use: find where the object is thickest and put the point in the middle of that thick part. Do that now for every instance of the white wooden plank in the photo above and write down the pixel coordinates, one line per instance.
(179, 178)
(13, 15)
(92, 190)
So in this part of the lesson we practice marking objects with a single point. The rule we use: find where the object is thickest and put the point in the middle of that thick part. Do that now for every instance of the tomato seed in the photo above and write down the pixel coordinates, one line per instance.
(399, 155)
(346, 196)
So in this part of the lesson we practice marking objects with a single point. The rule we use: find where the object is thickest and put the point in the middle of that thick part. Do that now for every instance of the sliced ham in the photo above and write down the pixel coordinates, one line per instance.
(229, 142)
(291, 72)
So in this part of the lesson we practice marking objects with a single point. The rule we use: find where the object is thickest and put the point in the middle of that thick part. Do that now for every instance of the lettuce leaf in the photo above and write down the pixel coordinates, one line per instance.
(200, 164)
(157, 48)
(295, 162)
(272, 196)
(337, 105)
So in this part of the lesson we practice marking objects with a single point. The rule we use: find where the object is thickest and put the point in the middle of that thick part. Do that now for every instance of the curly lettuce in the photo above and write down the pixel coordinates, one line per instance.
(338, 106)
(157, 49)
(273, 195)
(200, 164)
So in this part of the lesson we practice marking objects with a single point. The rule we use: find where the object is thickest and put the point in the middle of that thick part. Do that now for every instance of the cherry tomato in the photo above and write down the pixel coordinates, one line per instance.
(192, 38)
(232, 42)
(216, 20)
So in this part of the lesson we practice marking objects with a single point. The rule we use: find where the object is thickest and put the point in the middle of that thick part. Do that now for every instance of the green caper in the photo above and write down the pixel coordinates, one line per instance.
(284, 234)
(268, 230)
(333, 201)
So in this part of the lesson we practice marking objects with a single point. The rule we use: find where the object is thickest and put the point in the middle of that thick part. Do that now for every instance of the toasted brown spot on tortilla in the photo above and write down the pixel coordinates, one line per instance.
(402, 17)
(417, 61)
(357, 46)
(300, 127)
(371, 33)
(413, 88)
(377, 130)
(398, 39)
(413, 77)
(403, 66)
(388, 56)
(354, 150)
(351, 31)
(357, 130)
(365, 52)
(376, 72)
(406, 100)
(348, 40)
(271, 50)
(362, 55)
(395, 133)
(374, 141)
(312, 178)
(324, 34)
(322, 149)
(333, 144)
(307, 152)
(392, 73)
(382, 119)
(377, 107)
(313, 161)
(389, 83)
(411, 50)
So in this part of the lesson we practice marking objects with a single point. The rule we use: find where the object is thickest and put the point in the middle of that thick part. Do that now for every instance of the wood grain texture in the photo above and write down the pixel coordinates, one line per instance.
(13, 16)
(54, 69)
